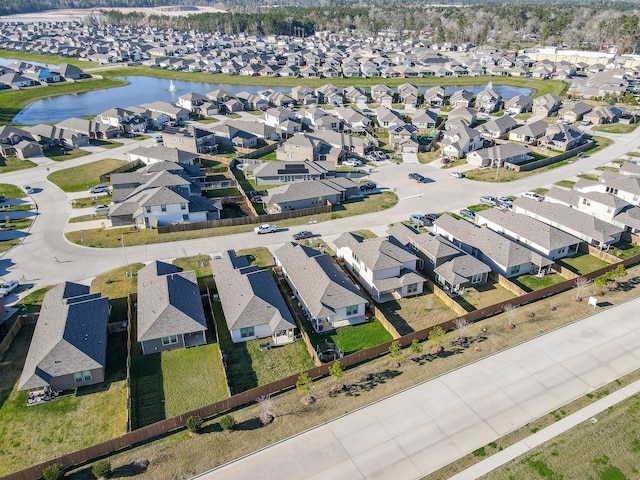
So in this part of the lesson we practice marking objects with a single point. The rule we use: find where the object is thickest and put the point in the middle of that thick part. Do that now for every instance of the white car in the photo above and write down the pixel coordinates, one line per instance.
(8, 287)
(352, 162)
(101, 208)
(533, 196)
(456, 174)
(265, 228)
(28, 190)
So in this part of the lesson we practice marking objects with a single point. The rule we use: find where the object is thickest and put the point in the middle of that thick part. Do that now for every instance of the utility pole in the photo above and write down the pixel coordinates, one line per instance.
(126, 262)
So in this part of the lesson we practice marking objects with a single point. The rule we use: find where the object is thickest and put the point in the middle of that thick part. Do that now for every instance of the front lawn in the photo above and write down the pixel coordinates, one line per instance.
(117, 285)
(201, 265)
(83, 177)
(260, 256)
(616, 128)
(91, 201)
(105, 143)
(582, 263)
(88, 218)
(479, 207)
(31, 434)
(10, 164)
(11, 191)
(565, 184)
(59, 154)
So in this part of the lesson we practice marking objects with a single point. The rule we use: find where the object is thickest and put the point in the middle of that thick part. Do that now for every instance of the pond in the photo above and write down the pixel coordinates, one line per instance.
(149, 89)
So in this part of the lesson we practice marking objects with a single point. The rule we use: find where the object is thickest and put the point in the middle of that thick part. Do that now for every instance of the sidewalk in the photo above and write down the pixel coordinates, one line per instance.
(552, 431)
(417, 431)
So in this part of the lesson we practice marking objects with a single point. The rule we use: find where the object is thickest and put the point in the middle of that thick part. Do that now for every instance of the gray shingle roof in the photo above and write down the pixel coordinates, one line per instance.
(250, 296)
(169, 302)
(461, 269)
(70, 336)
(318, 279)
(376, 253)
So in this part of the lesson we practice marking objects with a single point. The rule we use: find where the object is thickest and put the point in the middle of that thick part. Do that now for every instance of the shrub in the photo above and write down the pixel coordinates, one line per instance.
(54, 471)
(227, 423)
(194, 424)
(101, 469)
(304, 384)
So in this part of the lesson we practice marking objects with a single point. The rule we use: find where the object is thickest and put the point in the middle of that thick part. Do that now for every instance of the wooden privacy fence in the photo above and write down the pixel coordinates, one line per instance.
(230, 222)
(144, 434)
(131, 302)
(14, 330)
(106, 177)
(525, 167)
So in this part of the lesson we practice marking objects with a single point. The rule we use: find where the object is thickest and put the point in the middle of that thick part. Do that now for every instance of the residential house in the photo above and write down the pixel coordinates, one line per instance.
(408, 94)
(191, 139)
(518, 104)
(312, 193)
(404, 138)
(488, 101)
(425, 120)
(545, 239)
(586, 227)
(382, 95)
(18, 142)
(227, 135)
(503, 255)
(561, 137)
(176, 114)
(388, 118)
(546, 105)
(461, 98)
(497, 127)
(501, 155)
(434, 97)
(464, 114)
(90, 128)
(352, 119)
(125, 120)
(158, 153)
(529, 133)
(383, 266)
(574, 113)
(355, 95)
(192, 101)
(69, 344)
(276, 173)
(326, 294)
(456, 143)
(603, 114)
(170, 313)
(444, 263)
(252, 303)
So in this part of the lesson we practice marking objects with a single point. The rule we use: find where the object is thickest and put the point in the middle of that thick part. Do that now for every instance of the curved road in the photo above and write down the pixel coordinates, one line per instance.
(45, 257)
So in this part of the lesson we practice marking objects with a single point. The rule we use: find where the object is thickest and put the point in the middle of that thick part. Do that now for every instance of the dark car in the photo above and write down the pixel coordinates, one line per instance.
(418, 178)
(431, 216)
(466, 213)
(302, 235)
(367, 186)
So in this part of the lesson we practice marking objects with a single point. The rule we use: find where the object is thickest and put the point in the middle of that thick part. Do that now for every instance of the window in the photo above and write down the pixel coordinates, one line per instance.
(170, 340)
(185, 217)
(183, 206)
(586, 201)
(247, 332)
(80, 377)
(352, 310)
(476, 278)
(163, 208)
(413, 288)
(147, 209)
(514, 270)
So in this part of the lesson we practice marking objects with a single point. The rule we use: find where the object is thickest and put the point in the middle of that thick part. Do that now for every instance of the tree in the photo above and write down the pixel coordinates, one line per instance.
(304, 384)
(337, 372)
(581, 284)
(194, 424)
(227, 423)
(395, 351)
(510, 312)
(416, 349)
(461, 326)
(266, 409)
(436, 336)
(55, 471)
(101, 469)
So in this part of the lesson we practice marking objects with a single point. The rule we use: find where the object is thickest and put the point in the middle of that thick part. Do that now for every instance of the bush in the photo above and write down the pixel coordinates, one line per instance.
(194, 424)
(54, 471)
(101, 469)
(227, 423)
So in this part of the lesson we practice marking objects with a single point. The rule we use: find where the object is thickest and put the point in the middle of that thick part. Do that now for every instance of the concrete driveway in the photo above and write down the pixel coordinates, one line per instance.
(417, 431)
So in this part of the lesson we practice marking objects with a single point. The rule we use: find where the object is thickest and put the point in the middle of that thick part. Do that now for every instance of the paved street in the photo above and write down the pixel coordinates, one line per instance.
(428, 426)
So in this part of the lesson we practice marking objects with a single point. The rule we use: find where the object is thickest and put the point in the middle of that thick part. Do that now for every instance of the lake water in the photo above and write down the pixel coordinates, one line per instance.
(149, 89)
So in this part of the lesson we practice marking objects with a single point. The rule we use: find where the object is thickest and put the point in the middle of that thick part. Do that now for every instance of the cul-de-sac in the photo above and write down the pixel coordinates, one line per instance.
(319, 240)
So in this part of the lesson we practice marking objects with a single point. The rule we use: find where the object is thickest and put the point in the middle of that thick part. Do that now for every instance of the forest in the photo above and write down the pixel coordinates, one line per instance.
(584, 24)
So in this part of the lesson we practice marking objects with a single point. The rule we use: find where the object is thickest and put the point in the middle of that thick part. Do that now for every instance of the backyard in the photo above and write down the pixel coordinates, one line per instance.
(83, 177)
(480, 296)
(530, 283)
(412, 314)
(582, 263)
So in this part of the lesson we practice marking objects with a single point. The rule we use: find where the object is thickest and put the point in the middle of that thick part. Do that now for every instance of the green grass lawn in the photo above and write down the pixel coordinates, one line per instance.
(479, 207)
(588, 176)
(351, 338)
(117, 284)
(201, 264)
(32, 434)
(108, 144)
(624, 250)
(58, 154)
(480, 296)
(533, 282)
(260, 256)
(11, 164)
(83, 177)
(582, 263)
(565, 183)
(100, 238)
(11, 191)
(616, 128)
(91, 201)
(17, 224)
(221, 192)
(412, 314)
(249, 367)
(88, 218)
(50, 59)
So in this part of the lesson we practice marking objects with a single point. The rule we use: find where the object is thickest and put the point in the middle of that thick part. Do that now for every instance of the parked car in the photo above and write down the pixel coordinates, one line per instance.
(265, 228)
(489, 200)
(3, 198)
(99, 188)
(8, 287)
(352, 162)
(533, 196)
(368, 186)
(431, 216)
(456, 174)
(466, 213)
(101, 208)
(302, 235)
(28, 190)
(417, 177)
(419, 220)
(445, 160)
